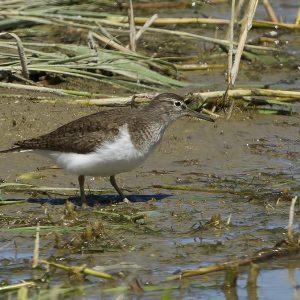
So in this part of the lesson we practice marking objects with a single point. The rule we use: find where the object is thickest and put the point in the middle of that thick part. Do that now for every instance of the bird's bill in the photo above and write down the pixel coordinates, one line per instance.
(199, 115)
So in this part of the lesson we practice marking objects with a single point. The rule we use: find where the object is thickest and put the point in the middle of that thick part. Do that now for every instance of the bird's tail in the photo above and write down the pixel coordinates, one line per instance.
(10, 150)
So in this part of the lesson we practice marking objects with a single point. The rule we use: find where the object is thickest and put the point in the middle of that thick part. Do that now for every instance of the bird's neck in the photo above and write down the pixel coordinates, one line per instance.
(157, 114)
(152, 125)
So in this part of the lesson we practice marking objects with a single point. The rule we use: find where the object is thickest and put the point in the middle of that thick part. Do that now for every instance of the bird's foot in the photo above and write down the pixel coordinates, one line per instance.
(84, 205)
(125, 200)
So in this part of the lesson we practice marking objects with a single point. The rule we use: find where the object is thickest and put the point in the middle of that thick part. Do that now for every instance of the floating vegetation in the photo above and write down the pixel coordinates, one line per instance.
(231, 267)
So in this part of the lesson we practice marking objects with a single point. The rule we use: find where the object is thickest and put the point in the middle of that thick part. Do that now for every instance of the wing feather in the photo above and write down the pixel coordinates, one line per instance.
(80, 136)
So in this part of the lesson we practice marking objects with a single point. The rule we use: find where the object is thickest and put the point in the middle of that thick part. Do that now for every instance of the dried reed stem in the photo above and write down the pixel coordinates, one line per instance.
(132, 31)
(117, 20)
(82, 269)
(23, 59)
(297, 21)
(110, 102)
(238, 93)
(177, 21)
(291, 219)
(246, 26)
(15, 286)
(23, 293)
(167, 4)
(120, 20)
(148, 23)
(121, 101)
(42, 89)
(263, 255)
(231, 276)
(252, 275)
(36, 251)
(270, 11)
(231, 35)
(269, 24)
(110, 43)
(91, 42)
(233, 68)
(191, 67)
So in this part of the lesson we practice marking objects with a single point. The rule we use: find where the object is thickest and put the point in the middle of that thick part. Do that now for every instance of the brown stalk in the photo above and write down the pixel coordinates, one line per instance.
(269, 24)
(36, 251)
(252, 281)
(16, 286)
(132, 31)
(231, 276)
(178, 21)
(191, 67)
(230, 51)
(246, 26)
(261, 256)
(161, 4)
(285, 96)
(252, 275)
(110, 43)
(22, 56)
(270, 11)
(297, 21)
(233, 68)
(147, 24)
(75, 269)
(282, 248)
(291, 219)
(168, 4)
(186, 21)
(238, 93)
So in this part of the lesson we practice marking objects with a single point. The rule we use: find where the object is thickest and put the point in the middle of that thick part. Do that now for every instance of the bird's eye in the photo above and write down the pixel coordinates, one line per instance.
(177, 103)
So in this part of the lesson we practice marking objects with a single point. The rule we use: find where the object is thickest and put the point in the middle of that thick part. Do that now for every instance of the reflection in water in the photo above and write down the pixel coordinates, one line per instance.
(280, 284)
(231, 293)
(294, 285)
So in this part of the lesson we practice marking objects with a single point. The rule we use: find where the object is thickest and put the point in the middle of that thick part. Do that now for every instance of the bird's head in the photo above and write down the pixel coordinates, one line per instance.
(174, 107)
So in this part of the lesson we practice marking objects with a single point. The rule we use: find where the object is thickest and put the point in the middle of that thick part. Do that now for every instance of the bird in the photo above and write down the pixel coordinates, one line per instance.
(107, 143)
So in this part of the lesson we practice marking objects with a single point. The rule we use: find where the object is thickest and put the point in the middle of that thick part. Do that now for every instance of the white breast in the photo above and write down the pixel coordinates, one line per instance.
(117, 156)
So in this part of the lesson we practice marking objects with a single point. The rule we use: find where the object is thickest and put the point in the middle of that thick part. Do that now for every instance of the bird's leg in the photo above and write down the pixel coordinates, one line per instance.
(81, 188)
(113, 182)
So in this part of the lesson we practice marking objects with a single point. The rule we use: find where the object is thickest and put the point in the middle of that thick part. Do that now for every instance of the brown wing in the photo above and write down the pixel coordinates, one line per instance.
(80, 136)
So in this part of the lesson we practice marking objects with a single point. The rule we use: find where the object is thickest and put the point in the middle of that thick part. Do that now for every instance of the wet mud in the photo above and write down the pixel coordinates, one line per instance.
(210, 193)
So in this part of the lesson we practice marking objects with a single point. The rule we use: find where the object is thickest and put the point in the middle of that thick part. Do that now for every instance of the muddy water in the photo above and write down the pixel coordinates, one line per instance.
(247, 169)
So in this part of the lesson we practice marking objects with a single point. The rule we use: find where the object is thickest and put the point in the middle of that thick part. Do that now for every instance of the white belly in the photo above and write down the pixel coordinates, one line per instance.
(111, 158)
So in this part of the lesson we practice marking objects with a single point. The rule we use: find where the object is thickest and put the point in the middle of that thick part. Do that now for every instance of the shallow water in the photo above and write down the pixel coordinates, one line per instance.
(237, 179)
(243, 168)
